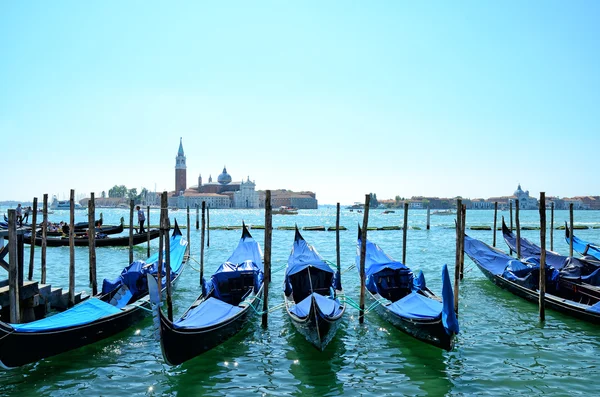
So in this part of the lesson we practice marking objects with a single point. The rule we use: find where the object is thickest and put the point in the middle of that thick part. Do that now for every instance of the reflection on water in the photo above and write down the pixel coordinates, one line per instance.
(316, 371)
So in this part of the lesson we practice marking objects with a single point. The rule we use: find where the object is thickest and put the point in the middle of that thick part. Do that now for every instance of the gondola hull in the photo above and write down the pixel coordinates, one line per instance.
(179, 345)
(100, 229)
(121, 241)
(20, 348)
(430, 331)
(317, 328)
(566, 306)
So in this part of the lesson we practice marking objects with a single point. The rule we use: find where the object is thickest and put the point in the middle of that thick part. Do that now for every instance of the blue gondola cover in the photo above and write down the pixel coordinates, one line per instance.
(329, 307)
(210, 312)
(83, 313)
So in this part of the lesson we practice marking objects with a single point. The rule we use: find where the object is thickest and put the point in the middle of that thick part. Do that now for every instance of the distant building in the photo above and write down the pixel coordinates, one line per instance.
(288, 198)
(221, 194)
(180, 170)
(525, 201)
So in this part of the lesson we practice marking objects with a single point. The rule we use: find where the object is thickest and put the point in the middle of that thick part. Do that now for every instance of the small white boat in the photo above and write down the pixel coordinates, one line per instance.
(63, 204)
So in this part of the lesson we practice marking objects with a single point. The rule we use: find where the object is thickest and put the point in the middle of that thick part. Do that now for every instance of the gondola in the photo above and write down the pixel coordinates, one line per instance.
(107, 229)
(228, 300)
(582, 247)
(83, 241)
(121, 303)
(311, 294)
(405, 301)
(587, 267)
(565, 294)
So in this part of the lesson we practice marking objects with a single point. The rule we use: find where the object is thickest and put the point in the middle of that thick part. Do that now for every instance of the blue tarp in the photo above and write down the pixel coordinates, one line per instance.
(530, 249)
(134, 275)
(228, 271)
(449, 318)
(304, 255)
(83, 313)
(585, 248)
(416, 306)
(485, 256)
(210, 312)
(329, 307)
(419, 282)
(247, 249)
(376, 260)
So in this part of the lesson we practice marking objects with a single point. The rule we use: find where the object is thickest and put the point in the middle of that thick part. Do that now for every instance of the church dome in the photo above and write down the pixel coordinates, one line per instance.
(519, 191)
(224, 178)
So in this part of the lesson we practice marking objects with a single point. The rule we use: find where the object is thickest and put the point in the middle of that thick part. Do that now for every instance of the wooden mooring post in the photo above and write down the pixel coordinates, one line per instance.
(92, 242)
(197, 217)
(518, 225)
(202, 243)
(463, 225)
(188, 228)
(404, 232)
(337, 246)
(72, 249)
(13, 269)
(571, 226)
(428, 217)
(267, 255)
(33, 234)
(148, 229)
(458, 248)
(495, 221)
(207, 225)
(510, 205)
(44, 242)
(131, 207)
(552, 226)
(542, 255)
(363, 254)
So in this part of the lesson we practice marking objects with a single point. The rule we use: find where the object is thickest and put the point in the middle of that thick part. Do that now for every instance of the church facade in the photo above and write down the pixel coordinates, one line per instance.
(225, 193)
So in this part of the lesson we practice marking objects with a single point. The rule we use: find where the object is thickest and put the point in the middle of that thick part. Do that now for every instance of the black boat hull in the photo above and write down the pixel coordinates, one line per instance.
(429, 331)
(122, 241)
(559, 304)
(20, 348)
(316, 328)
(181, 345)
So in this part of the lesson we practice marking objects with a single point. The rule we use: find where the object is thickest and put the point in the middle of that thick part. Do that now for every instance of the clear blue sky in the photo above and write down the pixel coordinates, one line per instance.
(343, 98)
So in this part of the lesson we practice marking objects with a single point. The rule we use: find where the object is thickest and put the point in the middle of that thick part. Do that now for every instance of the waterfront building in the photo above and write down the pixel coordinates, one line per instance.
(224, 193)
(288, 198)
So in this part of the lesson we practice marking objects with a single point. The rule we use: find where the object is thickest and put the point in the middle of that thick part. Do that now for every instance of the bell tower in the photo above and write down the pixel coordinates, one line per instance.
(180, 170)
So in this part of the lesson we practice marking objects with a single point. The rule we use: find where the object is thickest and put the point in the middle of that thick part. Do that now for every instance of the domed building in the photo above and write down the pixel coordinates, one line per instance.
(525, 201)
(224, 178)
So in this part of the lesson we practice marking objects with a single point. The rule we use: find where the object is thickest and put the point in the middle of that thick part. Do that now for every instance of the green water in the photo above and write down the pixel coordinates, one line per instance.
(502, 348)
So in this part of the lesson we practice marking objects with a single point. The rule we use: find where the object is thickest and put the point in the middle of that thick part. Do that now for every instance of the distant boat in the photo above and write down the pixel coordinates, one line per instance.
(63, 204)
(388, 212)
(443, 212)
(283, 210)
